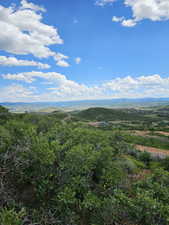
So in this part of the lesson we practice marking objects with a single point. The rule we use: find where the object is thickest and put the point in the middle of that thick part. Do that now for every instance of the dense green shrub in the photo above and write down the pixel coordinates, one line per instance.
(65, 172)
(11, 217)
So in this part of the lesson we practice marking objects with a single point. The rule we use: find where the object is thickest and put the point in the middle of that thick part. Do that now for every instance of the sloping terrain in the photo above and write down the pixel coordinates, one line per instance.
(155, 151)
(105, 114)
(61, 168)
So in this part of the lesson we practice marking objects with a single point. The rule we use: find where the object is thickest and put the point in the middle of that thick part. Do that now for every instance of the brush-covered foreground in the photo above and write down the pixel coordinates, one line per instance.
(61, 169)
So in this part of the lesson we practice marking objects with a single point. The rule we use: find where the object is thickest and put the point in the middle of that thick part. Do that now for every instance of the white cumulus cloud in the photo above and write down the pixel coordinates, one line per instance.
(154, 10)
(61, 60)
(13, 61)
(17, 93)
(30, 5)
(30, 77)
(129, 23)
(104, 2)
(78, 60)
(117, 19)
(60, 88)
(22, 31)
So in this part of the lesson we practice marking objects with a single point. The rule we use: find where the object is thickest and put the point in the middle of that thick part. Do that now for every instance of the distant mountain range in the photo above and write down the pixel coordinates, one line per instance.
(84, 104)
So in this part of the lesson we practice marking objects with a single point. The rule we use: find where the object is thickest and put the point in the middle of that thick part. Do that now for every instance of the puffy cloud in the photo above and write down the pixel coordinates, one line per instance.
(60, 58)
(154, 10)
(63, 63)
(22, 31)
(139, 87)
(117, 19)
(129, 23)
(62, 87)
(121, 84)
(29, 5)
(78, 60)
(30, 77)
(12, 61)
(134, 83)
(154, 80)
(59, 87)
(17, 93)
(104, 2)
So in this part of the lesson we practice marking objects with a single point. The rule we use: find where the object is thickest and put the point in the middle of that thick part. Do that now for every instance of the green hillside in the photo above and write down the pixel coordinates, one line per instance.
(105, 114)
(55, 169)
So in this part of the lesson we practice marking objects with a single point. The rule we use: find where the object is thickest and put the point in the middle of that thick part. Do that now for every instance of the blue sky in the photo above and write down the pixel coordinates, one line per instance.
(83, 49)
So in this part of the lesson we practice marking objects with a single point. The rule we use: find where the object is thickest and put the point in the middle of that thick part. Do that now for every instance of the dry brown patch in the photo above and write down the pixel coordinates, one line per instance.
(149, 134)
(163, 133)
(94, 124)
(141, 132)
(157, 151)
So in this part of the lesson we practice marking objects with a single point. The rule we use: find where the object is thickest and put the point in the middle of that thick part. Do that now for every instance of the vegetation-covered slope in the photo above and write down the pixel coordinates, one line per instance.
(56, 171)
(105, 114)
